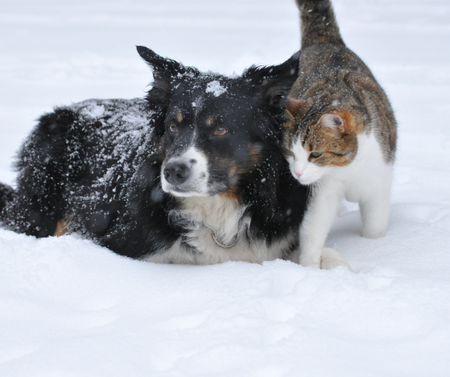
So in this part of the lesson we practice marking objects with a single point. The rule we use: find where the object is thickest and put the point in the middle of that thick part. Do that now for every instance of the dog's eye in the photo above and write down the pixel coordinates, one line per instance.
(173, 128)
(220, 131)
(315, 154)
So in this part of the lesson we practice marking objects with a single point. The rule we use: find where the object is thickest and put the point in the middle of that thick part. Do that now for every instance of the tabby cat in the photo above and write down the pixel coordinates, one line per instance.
(341, 133)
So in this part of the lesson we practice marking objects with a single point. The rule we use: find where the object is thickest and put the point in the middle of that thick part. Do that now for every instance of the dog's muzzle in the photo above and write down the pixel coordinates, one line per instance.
(177, 173)
(186, 175)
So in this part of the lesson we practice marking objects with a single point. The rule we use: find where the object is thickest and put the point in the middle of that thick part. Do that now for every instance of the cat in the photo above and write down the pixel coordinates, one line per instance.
(341, 132)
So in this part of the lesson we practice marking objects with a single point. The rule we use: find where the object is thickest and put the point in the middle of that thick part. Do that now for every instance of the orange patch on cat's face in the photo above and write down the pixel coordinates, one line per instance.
(337, 142)
(338, 148)
(352, 125)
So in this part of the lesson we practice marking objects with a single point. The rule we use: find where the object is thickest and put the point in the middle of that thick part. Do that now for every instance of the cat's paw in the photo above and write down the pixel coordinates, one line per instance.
(331, 259)
(310, 260)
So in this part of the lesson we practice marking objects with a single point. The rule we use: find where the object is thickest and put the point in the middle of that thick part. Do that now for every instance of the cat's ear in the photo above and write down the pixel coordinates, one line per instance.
(293, 106)
(333, 121)
(340, 121)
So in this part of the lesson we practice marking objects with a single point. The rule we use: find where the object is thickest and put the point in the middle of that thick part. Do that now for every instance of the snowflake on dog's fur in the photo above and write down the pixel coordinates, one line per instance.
(216, 88)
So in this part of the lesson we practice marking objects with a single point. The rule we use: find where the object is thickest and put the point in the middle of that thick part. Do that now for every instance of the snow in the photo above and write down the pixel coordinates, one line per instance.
(215, 88)
(71, 308)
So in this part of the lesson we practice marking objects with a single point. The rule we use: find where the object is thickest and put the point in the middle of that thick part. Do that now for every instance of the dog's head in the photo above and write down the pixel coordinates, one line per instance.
(216, 128)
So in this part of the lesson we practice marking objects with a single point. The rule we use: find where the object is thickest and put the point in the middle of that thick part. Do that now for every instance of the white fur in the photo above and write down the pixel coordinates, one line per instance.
(331, 259)
(197, 184)
(366, 180)
(224, 218)
(217, 229)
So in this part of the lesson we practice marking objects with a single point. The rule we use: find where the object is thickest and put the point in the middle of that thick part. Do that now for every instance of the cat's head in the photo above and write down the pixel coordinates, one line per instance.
(318, 139)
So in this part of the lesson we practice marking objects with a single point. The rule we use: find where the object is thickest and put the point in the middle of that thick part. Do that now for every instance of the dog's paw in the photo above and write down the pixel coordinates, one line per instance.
(331, 259)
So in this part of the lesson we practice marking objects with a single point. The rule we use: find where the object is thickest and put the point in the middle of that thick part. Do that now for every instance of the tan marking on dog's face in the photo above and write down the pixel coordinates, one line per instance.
(255, 153)
(233, 178)
(209, 121)
(232, 171)
(230, 194)
(179, 116)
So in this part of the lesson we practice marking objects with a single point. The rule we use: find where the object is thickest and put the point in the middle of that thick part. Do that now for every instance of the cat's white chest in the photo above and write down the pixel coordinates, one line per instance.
(366, 180)
(367, 173)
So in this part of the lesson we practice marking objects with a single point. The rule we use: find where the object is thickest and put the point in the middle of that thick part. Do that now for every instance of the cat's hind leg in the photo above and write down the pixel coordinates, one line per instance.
(374, 206)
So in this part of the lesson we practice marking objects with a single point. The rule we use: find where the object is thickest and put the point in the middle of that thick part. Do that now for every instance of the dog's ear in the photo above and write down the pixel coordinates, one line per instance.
(164, 71)
(272, 84)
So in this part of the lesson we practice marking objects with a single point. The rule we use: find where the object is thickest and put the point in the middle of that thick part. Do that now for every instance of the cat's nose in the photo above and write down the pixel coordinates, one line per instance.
(297, 174)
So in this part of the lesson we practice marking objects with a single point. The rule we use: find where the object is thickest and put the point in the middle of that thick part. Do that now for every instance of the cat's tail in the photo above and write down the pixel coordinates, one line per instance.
(318, 23)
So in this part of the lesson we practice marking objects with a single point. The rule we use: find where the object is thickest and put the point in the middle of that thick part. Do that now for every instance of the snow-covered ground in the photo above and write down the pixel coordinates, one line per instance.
(71, 308)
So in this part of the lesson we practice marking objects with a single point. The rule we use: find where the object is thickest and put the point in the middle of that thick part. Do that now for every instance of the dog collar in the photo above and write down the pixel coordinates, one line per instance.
(213, 235)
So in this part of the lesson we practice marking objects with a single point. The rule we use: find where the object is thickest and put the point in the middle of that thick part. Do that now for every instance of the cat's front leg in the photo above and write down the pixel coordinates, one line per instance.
(322, 209)
(375, 208)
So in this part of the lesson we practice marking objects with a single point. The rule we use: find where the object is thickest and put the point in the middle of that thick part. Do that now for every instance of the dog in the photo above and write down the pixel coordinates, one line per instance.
(194, 173)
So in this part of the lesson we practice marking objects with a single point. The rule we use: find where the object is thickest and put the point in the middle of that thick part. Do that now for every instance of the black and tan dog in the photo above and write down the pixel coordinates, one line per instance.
(193, 173)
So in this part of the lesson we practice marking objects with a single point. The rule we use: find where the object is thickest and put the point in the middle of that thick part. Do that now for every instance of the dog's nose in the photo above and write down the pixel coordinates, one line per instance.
(177, 173)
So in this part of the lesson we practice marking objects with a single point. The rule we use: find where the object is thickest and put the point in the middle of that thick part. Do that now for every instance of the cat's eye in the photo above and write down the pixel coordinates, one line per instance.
(315, 154)
(173, 128)
(221, 131)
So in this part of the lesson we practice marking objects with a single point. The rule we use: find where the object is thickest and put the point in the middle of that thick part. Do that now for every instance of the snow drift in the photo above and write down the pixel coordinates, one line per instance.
(71, 308)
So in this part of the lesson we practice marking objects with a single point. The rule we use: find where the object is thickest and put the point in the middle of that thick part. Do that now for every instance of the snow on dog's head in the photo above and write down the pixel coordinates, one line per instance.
(216, 128)
(216, 88)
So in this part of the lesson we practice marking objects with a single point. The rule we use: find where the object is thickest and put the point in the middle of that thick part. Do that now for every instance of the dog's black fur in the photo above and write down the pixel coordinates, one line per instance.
(96, 165)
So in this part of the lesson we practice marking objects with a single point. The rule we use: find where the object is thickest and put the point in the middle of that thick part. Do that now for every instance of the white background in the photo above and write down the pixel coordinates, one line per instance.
(70, 308)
